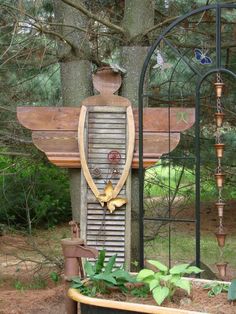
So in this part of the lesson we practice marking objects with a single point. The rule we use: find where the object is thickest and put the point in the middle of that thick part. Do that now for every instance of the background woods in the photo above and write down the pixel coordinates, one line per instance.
(48, 52)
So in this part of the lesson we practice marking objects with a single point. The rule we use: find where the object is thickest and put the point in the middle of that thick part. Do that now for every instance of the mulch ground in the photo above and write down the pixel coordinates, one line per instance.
(51, 299)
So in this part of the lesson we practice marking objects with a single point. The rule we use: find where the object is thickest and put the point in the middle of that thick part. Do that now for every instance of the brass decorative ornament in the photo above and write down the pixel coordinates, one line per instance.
(222, 269)
(219, 88)
(219, 176)
(107, 197)
(219, 148)
(219, 118)
(221, 236)
(220, 207)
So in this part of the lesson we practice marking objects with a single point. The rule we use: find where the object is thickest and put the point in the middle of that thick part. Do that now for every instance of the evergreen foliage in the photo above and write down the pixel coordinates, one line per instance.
(29, 75)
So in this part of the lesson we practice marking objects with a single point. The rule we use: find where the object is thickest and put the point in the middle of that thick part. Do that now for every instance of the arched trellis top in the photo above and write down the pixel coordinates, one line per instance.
(216, 7)
(200, 78)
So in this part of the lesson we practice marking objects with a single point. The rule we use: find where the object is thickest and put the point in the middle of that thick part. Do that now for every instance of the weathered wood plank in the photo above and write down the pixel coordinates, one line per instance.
(106, 227)
(108, 249)
(92, 206)
(103, 120)
(108, 233)
(63, 142)
(104, 150)
(122, 192)
(101, 131)
(105, 179)
(107, 219)
(96, 211)
(110, 223)
(97, 123)
(110, 146)
(66, 118)
(108, 110)
(106, 243)
(105, 136)
(103, 161)
(110, 140)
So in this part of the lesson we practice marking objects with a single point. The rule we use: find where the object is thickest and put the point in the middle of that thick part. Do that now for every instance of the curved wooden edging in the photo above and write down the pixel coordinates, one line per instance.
(141, 308)
(130, 152)
(129, 158)
(83, 161)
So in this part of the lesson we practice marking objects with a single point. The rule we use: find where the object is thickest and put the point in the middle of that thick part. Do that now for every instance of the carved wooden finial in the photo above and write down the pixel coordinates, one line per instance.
(75, 230)
(106, 81)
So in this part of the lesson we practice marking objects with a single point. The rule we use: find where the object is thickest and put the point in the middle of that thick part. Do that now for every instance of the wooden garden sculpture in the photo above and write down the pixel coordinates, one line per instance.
(101, 137)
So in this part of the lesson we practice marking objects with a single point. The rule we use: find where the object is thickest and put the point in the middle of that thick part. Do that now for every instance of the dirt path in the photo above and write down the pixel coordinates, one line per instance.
(46, 301)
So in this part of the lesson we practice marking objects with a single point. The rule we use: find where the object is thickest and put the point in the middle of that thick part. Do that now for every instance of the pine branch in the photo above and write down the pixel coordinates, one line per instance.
(153, 28)
(89, 14)
(55, 34)
(38, 26)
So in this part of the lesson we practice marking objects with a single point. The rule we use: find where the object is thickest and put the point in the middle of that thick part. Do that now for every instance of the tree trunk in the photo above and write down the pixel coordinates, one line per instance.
(132, 60)
(133, 66)
(138, 16)
(76, 80)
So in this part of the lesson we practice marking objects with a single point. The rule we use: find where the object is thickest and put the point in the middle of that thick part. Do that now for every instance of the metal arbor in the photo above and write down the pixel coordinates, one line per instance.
(178, 70)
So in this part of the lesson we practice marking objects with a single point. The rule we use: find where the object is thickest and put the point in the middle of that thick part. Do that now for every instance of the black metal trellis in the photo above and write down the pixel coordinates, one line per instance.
(200, 79)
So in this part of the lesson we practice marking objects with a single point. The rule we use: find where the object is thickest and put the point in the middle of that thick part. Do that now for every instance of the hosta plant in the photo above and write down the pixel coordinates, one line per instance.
(216, 288)
(101, 276)
(164, 282)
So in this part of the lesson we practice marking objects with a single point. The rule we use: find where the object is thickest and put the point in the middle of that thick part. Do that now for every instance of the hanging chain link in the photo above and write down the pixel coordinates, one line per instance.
(218, 136)
(218, 139)
(219, 107)
(220, 200)
(218, 78)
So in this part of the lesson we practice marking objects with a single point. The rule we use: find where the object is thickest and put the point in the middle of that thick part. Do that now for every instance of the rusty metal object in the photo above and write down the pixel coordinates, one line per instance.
(74, 249)
(114, 156)
(222, 267)
(75, 231)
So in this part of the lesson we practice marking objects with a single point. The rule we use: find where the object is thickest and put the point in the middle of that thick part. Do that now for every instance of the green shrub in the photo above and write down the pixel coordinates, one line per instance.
(36, 191)
(165, 281)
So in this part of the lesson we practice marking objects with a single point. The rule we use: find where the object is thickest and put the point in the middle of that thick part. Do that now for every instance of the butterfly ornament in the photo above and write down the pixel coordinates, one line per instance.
(202, 56)
(161, 64)
(107, 197)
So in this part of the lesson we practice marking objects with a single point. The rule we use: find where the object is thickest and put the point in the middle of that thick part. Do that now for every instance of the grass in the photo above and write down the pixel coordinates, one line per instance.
(162, 181)
(183, 249)
(37, 282)
(160, 185)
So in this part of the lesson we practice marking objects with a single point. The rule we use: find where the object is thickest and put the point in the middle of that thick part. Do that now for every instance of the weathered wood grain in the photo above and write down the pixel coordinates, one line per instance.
(62, 147)
(66, 118)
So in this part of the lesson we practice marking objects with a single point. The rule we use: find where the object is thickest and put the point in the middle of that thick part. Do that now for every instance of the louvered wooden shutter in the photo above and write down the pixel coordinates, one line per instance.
(106, 130)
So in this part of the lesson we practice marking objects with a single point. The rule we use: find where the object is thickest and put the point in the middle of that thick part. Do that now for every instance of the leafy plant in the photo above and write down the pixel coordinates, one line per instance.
(85, 290)
(165, 281)
(140, 292)
(54, 277)
(18, 285)
(102, 276)
(216, 288)
(232, 291)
